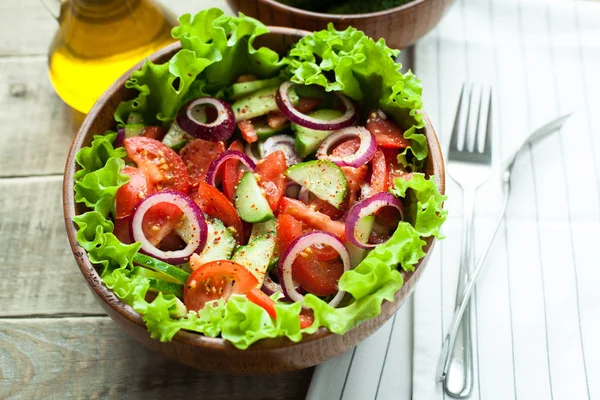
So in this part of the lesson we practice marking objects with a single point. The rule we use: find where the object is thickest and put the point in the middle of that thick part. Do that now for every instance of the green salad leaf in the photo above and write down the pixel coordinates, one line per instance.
(216, 49)
(364, 70)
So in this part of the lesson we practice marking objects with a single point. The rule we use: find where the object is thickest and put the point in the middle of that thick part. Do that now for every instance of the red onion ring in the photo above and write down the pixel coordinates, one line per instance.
(196, 228)
(284, 143)
(270, 287)
(220, 129)
(119, 138)
(366, 207)
(298, 246)
(251, 153)
(364, 154)
(215, 166)
(303, 195)
(287, 108)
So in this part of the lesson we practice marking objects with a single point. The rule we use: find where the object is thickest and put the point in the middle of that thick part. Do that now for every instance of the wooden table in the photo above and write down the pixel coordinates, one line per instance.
(55, 340)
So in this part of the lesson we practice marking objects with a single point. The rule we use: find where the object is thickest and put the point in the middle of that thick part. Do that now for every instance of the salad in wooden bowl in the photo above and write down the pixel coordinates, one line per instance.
(255, 199)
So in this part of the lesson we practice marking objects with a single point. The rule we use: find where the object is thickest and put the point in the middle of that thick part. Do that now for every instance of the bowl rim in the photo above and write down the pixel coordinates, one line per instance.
(110, 299)
(340, 17)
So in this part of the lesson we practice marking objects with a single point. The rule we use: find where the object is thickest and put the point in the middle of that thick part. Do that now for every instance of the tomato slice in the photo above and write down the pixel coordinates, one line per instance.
(154, 132)
(356, 177)
(324, 207)
(160, 221)
(314, 219)
(215, 280)
(306, 318)
(316, 276)
(214, 203)
(197, 156)
(387, 133)
(160, 163)
(346, 148)
(232, 172)
(394, 168)
(276, 120)
(307, 104)
(261, 299)
(271, 177)
(131, 193)
(121, 230)
(379, 174)
(248, 131)
(288, 229)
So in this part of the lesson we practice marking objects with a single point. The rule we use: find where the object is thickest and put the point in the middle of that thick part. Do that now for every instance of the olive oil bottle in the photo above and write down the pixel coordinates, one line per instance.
(98, 40)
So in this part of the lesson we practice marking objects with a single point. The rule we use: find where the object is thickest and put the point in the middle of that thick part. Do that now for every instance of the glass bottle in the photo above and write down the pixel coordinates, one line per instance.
(98, 40)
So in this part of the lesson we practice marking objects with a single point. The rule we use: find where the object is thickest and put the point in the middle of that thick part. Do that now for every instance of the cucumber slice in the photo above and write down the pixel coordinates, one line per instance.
(256, 256)
(323, 178)
(258, 103)
(243, 89)
(157, 282)
(135, 118)
(262, 228)
(176, 138)
(132, 130)
(308, 140)
(178, 310)
(363, 231)
(219, 242)
(250, 201)
(172, 273)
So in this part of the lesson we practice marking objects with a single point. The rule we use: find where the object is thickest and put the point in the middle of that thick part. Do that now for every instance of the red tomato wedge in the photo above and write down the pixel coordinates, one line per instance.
(215, 280)
(379, 174)
(154, 132)
(248, 131)
(387, 133)
(317, 276)
(131, 193)
(276, 120)
(197, 156)
(160, 221)
(346, 148)
(121, 230)
(324, 207)
(214, 203)
(306, 318)
(394, 168)
(232, 172)
(288, 229)
(307, 104)
(314, 219)
(271, 177)
(161, 165)
(261, 299)
(356, 177)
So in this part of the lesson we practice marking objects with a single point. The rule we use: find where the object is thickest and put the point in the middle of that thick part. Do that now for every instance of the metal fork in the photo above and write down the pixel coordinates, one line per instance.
(470, 168)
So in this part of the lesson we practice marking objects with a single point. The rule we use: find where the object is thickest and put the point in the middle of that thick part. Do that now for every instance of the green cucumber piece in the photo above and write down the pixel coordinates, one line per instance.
(178, 310)
(264, 131)
(363, 231)
(322, 178)
(245, 88)
(158, 283)
(256, 255)
(250, 202)
(262, 228)
(132, 130)
(176, 138)
(172, 273)
(220, 243)
(258, 103)
(308, 140)
(135, 118)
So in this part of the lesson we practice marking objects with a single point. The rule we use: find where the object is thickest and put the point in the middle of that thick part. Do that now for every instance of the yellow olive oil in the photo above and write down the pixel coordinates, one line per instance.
(98, 40)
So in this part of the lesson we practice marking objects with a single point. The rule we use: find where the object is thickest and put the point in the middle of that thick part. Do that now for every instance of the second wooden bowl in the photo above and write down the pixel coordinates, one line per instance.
(215, 354)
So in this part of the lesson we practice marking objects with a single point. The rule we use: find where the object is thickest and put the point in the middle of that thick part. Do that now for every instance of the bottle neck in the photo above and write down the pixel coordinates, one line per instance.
(94, 10)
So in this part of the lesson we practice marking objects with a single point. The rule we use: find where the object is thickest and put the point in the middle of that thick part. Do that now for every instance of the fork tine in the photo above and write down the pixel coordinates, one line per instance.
(456, 127)
(487, 148)
(476, 140)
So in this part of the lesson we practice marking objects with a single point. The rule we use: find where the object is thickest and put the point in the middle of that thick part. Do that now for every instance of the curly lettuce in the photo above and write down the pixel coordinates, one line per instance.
(216, 49)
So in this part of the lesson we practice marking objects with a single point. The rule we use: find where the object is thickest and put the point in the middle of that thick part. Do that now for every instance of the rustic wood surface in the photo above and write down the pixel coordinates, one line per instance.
(55, 340)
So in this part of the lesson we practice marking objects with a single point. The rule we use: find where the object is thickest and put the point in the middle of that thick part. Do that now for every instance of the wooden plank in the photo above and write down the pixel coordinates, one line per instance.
(36, 128)
(39, 273)
(31, 28)
(92, 357)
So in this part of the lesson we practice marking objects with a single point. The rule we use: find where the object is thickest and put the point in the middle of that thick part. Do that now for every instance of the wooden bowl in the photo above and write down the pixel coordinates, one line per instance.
(214, 354)
(400, 26)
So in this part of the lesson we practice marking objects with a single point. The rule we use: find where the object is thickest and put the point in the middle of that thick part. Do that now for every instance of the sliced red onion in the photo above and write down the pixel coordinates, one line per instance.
(194, 226)
(287, 108)
(292, 189)
(298, 246)
(192, 119)
(284, 143)
(303, 195)
(250, 151)
(366, 207)
(119, 138)
(215, 166)
(270, 287)
(364, 154)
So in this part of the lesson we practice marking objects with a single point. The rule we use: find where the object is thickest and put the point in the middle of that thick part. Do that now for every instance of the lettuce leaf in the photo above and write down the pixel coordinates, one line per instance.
(216, 49)
(95, 156)
(364, 70)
